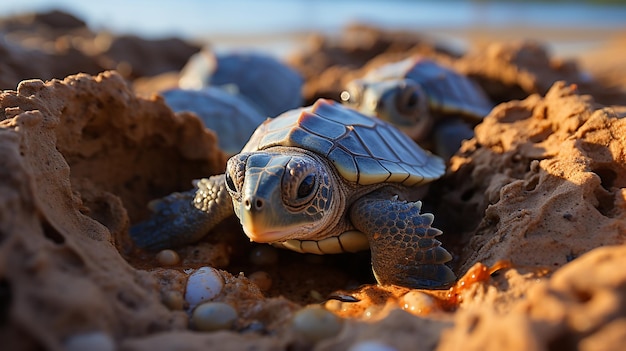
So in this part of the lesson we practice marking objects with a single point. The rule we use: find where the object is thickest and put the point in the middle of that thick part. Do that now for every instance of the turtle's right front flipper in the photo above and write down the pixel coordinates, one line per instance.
(402, 241)
(183, 218)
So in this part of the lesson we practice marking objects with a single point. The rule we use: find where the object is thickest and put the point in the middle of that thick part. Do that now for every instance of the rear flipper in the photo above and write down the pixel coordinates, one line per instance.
(183, 218)
(404, 249)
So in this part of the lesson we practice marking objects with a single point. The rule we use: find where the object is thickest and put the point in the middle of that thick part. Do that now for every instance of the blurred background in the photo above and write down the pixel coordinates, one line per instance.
(277, 25)
(143, 39)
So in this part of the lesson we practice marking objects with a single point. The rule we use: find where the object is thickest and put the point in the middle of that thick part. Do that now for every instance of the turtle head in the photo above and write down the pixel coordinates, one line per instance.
(280, 196)
(401, 102)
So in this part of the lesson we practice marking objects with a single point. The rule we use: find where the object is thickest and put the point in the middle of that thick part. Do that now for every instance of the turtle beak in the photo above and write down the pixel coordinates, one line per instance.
(254, 213)
(260, 224)
(259, 207)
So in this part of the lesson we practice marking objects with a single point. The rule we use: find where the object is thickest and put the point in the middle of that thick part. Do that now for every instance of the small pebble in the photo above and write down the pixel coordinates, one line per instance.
(213, 316)
(315, 323)
(371, 346)
(168, 258)
(174, 300)
(262, 279)
(203, 285)
(418, 302)
(96, 341)
(333, 305)
(264, 255)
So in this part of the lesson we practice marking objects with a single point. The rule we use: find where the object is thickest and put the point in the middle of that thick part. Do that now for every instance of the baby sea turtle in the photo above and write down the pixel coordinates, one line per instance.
(231, 116)
(323, 179)
(422, 98)
(267, 82)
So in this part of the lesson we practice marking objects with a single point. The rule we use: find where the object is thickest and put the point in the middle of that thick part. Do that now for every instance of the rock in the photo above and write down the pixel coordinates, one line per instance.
(547, 175)
(57, 44)
(581, 306)
(58, 253)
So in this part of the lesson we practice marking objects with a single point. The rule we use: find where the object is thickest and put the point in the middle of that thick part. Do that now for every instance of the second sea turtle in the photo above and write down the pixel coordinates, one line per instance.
(425, 99)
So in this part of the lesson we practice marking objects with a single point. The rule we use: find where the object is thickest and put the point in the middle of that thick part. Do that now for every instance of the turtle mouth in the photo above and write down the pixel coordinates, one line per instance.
(259, 235)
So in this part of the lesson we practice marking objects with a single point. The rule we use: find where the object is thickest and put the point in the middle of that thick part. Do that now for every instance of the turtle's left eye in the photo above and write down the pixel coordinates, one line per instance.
(235, 171)
(306, 186)
(408, 100)
(229, 183)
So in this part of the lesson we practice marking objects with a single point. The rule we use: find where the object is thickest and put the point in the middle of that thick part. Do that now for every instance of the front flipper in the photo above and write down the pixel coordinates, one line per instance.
(404, 249)
(183, 218)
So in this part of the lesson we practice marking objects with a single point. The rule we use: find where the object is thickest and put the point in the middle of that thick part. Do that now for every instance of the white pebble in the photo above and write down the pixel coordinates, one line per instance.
(203, 285)
(173, 300)
(315, 323)
(213, 316)
(96, 341)
(333, 305)
(418, 302)
(168, 257)
(371, 346)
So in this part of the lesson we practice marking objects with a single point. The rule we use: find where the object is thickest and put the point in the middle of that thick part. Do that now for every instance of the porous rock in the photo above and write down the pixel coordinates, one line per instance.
(582, 306)
(542, 181)
(66, 148)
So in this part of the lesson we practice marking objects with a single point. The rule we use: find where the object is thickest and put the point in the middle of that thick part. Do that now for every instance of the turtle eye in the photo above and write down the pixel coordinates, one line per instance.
(299, 182)
(229, 183)
(408, 100)
(306, 187)
(235, 171)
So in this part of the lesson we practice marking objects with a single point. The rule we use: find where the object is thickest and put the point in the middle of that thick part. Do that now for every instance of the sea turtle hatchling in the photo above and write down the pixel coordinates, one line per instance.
(322, 179)
(424, 99)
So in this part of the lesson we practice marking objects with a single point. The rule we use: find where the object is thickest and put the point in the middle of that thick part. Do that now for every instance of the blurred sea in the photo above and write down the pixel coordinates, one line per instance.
(232, 20)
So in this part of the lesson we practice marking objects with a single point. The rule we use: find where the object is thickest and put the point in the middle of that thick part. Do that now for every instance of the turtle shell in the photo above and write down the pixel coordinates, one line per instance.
(448, 91)
(230, 116)
(364, 150)
(273, 86)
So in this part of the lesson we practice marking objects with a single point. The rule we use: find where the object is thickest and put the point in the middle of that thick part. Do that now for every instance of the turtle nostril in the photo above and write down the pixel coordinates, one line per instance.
(253, 204)
(259, 204)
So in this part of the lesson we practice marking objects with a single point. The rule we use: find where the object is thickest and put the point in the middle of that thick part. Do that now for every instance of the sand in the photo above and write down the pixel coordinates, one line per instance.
(537, 195)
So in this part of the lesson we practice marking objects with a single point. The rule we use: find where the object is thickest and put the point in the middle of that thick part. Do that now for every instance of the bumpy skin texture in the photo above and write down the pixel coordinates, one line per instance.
(182, 218)
(398, 227)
